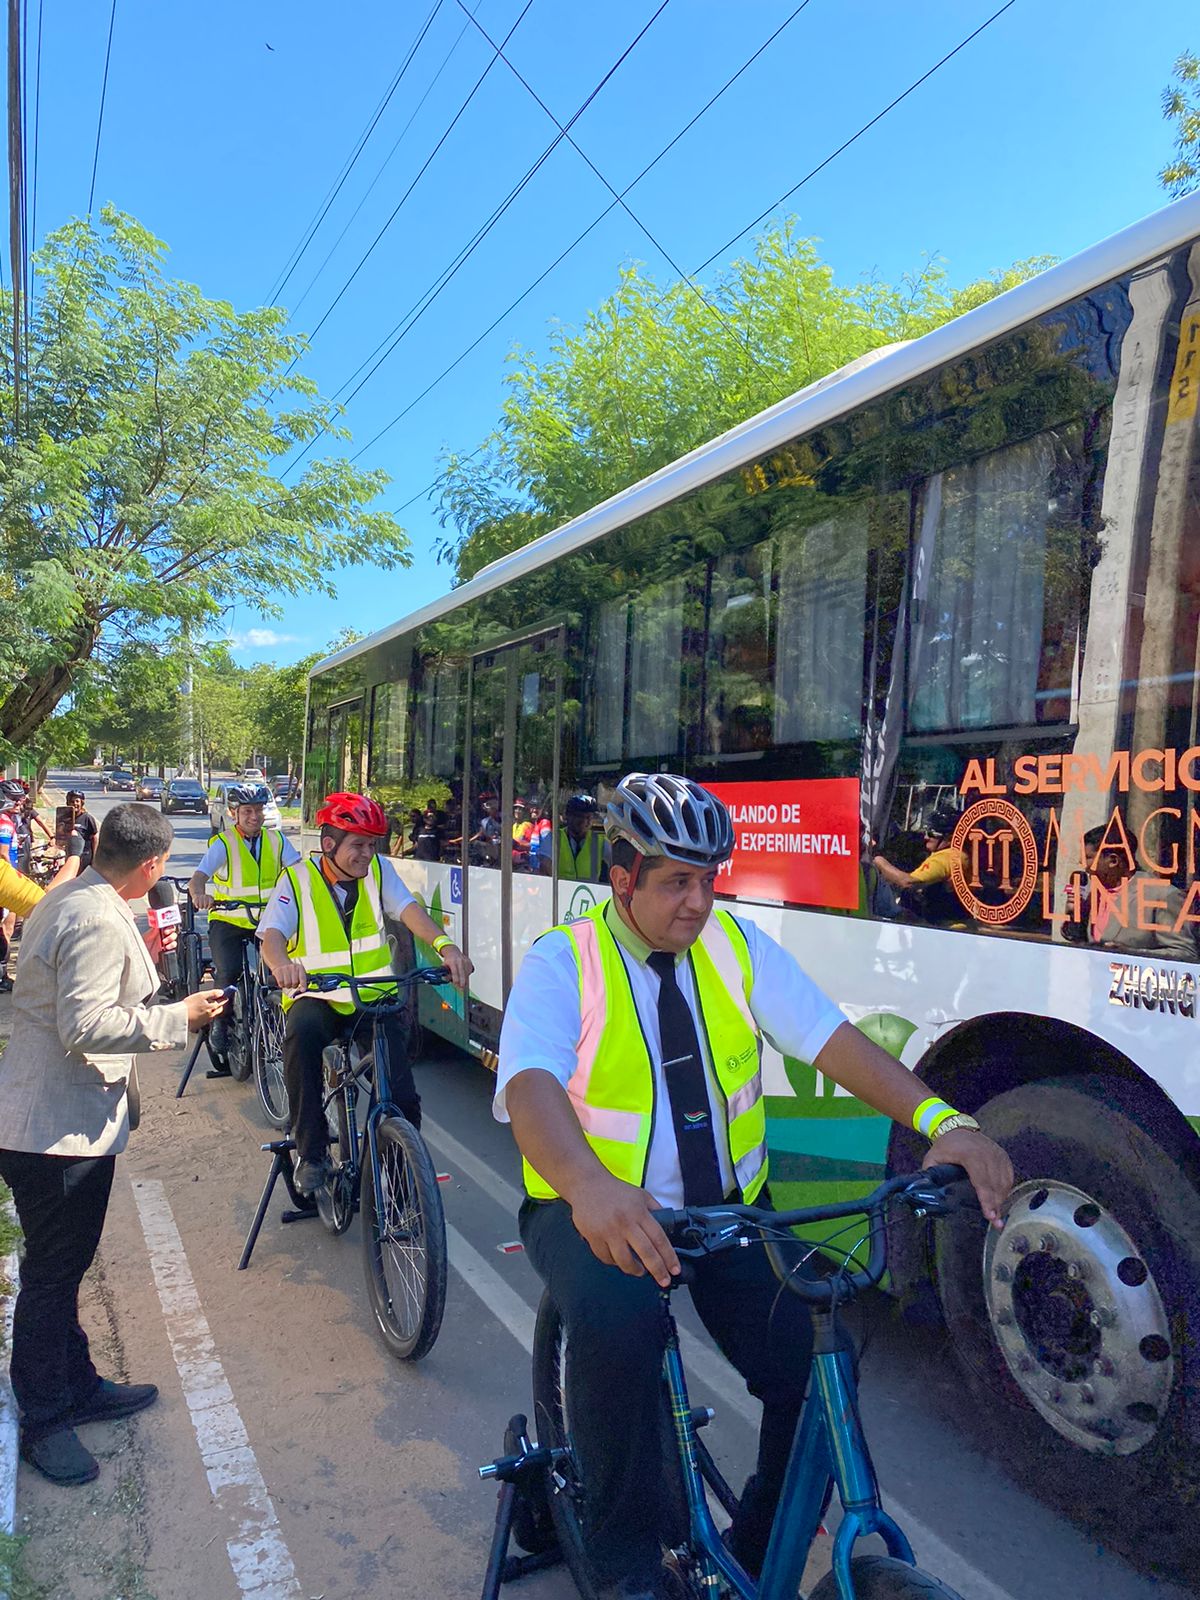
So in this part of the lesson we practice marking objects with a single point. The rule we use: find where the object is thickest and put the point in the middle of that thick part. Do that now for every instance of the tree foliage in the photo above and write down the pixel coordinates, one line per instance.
(1181, 107)
(138, 487)
(653, 373)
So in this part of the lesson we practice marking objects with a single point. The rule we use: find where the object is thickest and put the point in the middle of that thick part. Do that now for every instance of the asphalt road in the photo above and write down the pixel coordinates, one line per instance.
(341, 1472)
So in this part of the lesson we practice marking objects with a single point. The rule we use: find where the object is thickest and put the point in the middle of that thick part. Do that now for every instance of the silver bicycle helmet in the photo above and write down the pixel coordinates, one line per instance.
(249, 794)
(664, 815)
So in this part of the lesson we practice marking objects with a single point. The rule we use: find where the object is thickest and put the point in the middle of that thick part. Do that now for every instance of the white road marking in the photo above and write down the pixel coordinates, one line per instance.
(262, 1566)
(706, 1364)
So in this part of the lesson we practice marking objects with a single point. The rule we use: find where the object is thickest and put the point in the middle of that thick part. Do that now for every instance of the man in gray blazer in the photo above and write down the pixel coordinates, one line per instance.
(68, 1097)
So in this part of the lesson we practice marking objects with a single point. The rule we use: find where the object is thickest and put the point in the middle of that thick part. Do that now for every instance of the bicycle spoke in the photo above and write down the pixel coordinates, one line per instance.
(401, 1238)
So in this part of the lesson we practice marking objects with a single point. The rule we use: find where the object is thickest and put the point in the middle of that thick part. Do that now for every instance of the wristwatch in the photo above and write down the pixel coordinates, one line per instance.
(959, 1120)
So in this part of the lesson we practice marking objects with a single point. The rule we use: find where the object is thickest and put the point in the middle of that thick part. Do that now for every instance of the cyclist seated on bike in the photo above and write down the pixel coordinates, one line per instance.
(327, 915)
(629, 1068)
(242, 862)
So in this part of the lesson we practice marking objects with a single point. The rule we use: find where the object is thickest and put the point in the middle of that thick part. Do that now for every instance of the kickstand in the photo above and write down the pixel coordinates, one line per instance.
(516, 1474)
(303, 1208)
(193, 1053)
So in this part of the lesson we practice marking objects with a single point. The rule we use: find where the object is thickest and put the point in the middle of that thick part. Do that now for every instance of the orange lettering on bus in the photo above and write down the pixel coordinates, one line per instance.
(1187, 761)
(1052, 836)
(1149, 785)
(1120, 842)
(975, 781)
(1108, 903)
(1164, 870)
(1005, 838)
(1025, 773)
(1144, 903)
(1049, 769)
(1187, 913)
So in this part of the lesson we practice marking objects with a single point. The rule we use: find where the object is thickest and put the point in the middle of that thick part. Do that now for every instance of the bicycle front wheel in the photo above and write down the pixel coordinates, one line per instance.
(551, 1426)
(404, 1240)
(267, 1048)
(885, 1578)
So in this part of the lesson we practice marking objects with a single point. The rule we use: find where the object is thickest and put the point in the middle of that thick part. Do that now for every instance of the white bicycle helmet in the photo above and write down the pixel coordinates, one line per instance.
(664, 815)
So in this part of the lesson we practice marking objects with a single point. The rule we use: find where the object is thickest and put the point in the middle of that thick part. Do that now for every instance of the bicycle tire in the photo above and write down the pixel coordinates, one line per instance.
(238, 1049)
(551, 1428)
(408, 1322)
(266, 1047)
(885, 1578)
(193, 963)
(335, 1202)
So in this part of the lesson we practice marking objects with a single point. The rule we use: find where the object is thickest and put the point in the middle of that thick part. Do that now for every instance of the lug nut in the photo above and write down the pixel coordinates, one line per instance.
(1102, 1317)
(1087, 1395)
(1049, 1242)
(1001, 1273)
(1020, 1245)
(1076, 1270)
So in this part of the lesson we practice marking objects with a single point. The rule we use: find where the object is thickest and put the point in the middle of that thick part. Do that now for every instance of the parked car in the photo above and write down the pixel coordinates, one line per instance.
(149, 788)
(218, 811)
(251, 773)
(184, 794)
(282, 787)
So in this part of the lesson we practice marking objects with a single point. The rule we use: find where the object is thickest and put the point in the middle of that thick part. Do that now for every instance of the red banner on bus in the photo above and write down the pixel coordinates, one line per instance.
(797, 841)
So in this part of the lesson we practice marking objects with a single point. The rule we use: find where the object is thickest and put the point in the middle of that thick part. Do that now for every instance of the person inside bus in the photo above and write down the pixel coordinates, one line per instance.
(428, 836)
(629, 1069)
(580, 852)
(328, 914)
(485, 841)
(522, 830)
(1130, 910)
(927, 892)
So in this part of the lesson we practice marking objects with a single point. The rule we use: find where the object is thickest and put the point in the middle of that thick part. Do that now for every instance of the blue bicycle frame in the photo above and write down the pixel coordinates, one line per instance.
(829, 1451)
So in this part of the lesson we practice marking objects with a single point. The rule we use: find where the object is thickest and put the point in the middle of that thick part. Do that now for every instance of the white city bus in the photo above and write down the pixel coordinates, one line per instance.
(960, 580)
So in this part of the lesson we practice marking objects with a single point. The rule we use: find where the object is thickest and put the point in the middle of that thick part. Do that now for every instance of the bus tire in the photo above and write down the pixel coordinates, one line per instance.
(1088, 1354)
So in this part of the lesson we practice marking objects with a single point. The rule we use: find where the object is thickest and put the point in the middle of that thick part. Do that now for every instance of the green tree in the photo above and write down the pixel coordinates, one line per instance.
(131, 705)
(138, 487)
(1181, 107)
(222, 708)
(655, 372)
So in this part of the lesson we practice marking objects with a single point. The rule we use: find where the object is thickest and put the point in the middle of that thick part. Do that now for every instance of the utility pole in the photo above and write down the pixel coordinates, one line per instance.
(16, 205)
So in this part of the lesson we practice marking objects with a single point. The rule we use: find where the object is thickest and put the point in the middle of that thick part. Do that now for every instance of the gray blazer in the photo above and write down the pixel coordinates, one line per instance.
(80, 1015)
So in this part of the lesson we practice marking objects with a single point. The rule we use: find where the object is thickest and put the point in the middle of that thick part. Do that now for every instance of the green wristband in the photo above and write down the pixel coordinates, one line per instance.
(440, 943)
(929, 1116)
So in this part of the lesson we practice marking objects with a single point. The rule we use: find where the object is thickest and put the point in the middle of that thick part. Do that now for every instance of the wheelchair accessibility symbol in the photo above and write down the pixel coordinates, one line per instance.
(456, 886)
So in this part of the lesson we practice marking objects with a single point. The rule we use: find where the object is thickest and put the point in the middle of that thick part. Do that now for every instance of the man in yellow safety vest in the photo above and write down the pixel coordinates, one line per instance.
(578, 855)
(630, 1070)
(328, 915)
(242, 862)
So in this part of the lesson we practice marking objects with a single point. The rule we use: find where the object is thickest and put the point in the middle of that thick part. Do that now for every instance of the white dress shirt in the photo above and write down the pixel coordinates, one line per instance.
(214, 857)
(283, 915)
(542, 1024)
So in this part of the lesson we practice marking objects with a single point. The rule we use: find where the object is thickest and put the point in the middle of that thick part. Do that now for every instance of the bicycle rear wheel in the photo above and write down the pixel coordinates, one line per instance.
(404, 1240)
(551, 1427)
(885, 1578)
(266, 1046)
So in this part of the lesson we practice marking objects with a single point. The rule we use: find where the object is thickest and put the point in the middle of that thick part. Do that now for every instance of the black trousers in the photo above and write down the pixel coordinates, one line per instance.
(311, 1025)
(226, 944)
(61, 1202)
(615, 1335)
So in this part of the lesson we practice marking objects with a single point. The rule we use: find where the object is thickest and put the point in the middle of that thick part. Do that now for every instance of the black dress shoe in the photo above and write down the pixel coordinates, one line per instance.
(221, 1070)
(60, 1457)
(112, 1401)
(312, 1176)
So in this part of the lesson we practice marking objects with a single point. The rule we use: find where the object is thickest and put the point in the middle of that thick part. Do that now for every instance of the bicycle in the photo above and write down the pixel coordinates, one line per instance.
(254, 1037)
(383, 1169)
(829, 1452)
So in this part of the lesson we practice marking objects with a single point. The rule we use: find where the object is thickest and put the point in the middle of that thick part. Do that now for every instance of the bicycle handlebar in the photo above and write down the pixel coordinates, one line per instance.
(327, 982)
(710, 1229)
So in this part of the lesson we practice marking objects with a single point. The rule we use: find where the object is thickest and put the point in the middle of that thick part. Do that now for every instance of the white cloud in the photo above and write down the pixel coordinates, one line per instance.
(262, 639)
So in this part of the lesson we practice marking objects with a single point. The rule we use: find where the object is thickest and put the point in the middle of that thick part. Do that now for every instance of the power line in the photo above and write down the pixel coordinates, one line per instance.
(419, 308)
(348, 166)
(16, 206)
(854, 137)
(363, 259)
(112, 17)
(37, 124)
(382, 167)
(620, 198)
(446, 371)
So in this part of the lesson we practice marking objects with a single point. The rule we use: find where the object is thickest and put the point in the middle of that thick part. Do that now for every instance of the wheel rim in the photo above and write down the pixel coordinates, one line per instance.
(1079, 1318)
(270, 1055)
(400, 1240)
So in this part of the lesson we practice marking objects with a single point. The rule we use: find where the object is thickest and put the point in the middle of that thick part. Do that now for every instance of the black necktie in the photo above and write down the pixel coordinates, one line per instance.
(349, 902)
(687, 1089)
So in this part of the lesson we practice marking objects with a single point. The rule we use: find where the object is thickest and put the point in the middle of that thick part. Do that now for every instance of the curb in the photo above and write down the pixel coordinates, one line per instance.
(8, 1405)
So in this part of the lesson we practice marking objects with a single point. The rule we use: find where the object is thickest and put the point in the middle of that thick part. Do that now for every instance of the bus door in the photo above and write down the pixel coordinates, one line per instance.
(510, 786)
(335, 757)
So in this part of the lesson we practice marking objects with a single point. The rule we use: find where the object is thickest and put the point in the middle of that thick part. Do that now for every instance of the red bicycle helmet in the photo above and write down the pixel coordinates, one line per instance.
(353, 813)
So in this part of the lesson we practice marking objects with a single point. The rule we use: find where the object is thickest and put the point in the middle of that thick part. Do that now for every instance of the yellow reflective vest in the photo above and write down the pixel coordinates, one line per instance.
(612, 1088)
(245, 878)
(322, 942)
(586, 865)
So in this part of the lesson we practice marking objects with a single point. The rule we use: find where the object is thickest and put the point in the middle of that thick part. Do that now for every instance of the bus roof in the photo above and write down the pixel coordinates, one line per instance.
(819, 403)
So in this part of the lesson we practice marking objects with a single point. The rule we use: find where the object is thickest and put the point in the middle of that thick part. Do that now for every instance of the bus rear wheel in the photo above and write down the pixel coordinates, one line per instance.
(1082, 1317)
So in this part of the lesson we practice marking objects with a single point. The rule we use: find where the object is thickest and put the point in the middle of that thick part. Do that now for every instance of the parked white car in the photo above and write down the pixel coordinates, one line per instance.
(218, 808)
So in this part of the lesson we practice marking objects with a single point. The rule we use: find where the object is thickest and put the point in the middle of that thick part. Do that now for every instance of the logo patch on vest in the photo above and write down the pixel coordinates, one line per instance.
(748, 1054)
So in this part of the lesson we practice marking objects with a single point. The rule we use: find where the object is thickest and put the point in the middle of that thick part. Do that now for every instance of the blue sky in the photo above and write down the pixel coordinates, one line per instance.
(226, 124)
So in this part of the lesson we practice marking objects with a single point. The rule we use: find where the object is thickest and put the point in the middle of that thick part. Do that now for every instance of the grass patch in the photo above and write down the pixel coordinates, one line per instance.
(10, 1233)
(15, 1582)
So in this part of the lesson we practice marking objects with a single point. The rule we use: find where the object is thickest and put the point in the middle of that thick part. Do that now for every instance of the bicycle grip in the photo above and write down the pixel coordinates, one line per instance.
(670, 1219)
(945, 1174)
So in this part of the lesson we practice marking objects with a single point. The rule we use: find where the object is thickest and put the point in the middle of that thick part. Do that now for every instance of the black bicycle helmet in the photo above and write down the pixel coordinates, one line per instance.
(249, 794)
(579, 805)
(664, 815)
